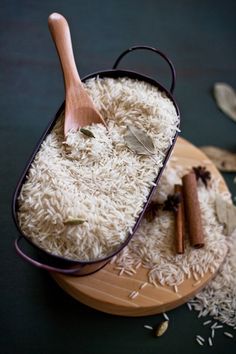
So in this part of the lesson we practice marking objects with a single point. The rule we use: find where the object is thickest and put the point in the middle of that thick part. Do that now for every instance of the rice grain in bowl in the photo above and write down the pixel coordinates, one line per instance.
(81, 199)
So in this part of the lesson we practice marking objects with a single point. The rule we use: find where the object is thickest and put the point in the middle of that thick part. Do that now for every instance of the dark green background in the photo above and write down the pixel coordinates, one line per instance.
(199, 36)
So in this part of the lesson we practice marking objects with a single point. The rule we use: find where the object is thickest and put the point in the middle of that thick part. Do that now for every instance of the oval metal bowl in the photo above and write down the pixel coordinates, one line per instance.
(62, 265)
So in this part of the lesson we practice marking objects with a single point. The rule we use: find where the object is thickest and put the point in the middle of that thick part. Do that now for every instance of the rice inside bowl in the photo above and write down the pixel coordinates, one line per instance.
(99, 180)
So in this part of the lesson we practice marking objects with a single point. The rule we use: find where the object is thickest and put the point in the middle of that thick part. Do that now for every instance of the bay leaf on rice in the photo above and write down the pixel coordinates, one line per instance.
(225, 97)
(138, 141)
(223, 159)
(226, 214)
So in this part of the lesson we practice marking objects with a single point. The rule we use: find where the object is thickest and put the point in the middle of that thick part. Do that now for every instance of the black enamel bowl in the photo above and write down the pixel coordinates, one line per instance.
(53, 263)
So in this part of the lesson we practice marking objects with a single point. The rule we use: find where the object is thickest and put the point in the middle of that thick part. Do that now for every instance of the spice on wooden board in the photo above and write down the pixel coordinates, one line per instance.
(193, 212)
(152, 210)
(184, 200)
(172, 202)
(179, 222)
(202, 174)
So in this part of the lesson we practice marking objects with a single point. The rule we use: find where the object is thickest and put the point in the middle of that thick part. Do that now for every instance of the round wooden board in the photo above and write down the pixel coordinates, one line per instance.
(106, 291)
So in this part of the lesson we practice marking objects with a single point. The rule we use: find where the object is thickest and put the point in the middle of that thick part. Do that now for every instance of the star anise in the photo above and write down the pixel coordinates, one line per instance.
(172, 202)
(203, 174)
(152, 210)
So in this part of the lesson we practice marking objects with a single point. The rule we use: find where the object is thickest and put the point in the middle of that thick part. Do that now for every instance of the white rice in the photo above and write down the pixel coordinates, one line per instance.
(210, 341)
(96, 179)
(200, 338)
(153, 243)
(199, 341)
(218, 299)
(148, 327)
(175, 288)
(165, 316)
(214, 325)
(133, 294)
(227, 334)
(189, 306)
(143, 285)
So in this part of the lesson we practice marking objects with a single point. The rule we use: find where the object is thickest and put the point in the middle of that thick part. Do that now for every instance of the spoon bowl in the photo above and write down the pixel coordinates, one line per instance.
(80, 110)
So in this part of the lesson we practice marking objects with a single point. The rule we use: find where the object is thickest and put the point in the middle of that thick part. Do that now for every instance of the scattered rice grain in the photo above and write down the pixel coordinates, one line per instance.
(134, 294)
(143, 285)
(214, 325)
(121, 271)
(138, 265)
(199, 341)
(189, 306)
(210, 341)
(148, 327)
(197, 283)
(200, 337)
(227, 334)
(165, 316)
(129, 272)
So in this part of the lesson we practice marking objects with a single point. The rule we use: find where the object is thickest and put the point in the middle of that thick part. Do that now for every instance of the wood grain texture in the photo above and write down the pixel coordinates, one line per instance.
(108, 292)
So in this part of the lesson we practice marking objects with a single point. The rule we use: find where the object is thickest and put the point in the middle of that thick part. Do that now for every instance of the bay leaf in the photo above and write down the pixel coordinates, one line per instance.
(87, 132)
(231, 219)
(221, 209)
(225, 97)
(223, 159)
(138, 141)
(73, 221)
(226, 214)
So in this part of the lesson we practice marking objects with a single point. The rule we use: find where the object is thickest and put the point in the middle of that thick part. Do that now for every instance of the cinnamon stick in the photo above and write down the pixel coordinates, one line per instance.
(179, 222)
(192, 209)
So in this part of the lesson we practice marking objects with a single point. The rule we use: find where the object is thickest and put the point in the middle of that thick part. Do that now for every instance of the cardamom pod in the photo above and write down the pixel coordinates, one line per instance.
(87, 132)
(73, 221)
(162, 328)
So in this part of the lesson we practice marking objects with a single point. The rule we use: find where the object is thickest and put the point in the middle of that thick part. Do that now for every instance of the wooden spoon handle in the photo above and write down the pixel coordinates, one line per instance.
(60, 32)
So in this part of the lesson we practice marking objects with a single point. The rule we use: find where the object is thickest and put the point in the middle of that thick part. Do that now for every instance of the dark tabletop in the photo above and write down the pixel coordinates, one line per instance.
(36, 316)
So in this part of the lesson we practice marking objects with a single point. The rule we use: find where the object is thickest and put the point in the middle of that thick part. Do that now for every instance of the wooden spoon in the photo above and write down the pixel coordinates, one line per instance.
(79, 107)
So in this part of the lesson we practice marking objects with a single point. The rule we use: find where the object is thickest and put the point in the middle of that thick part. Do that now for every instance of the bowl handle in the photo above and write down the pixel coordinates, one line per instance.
(42, 265)
(173, 74)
